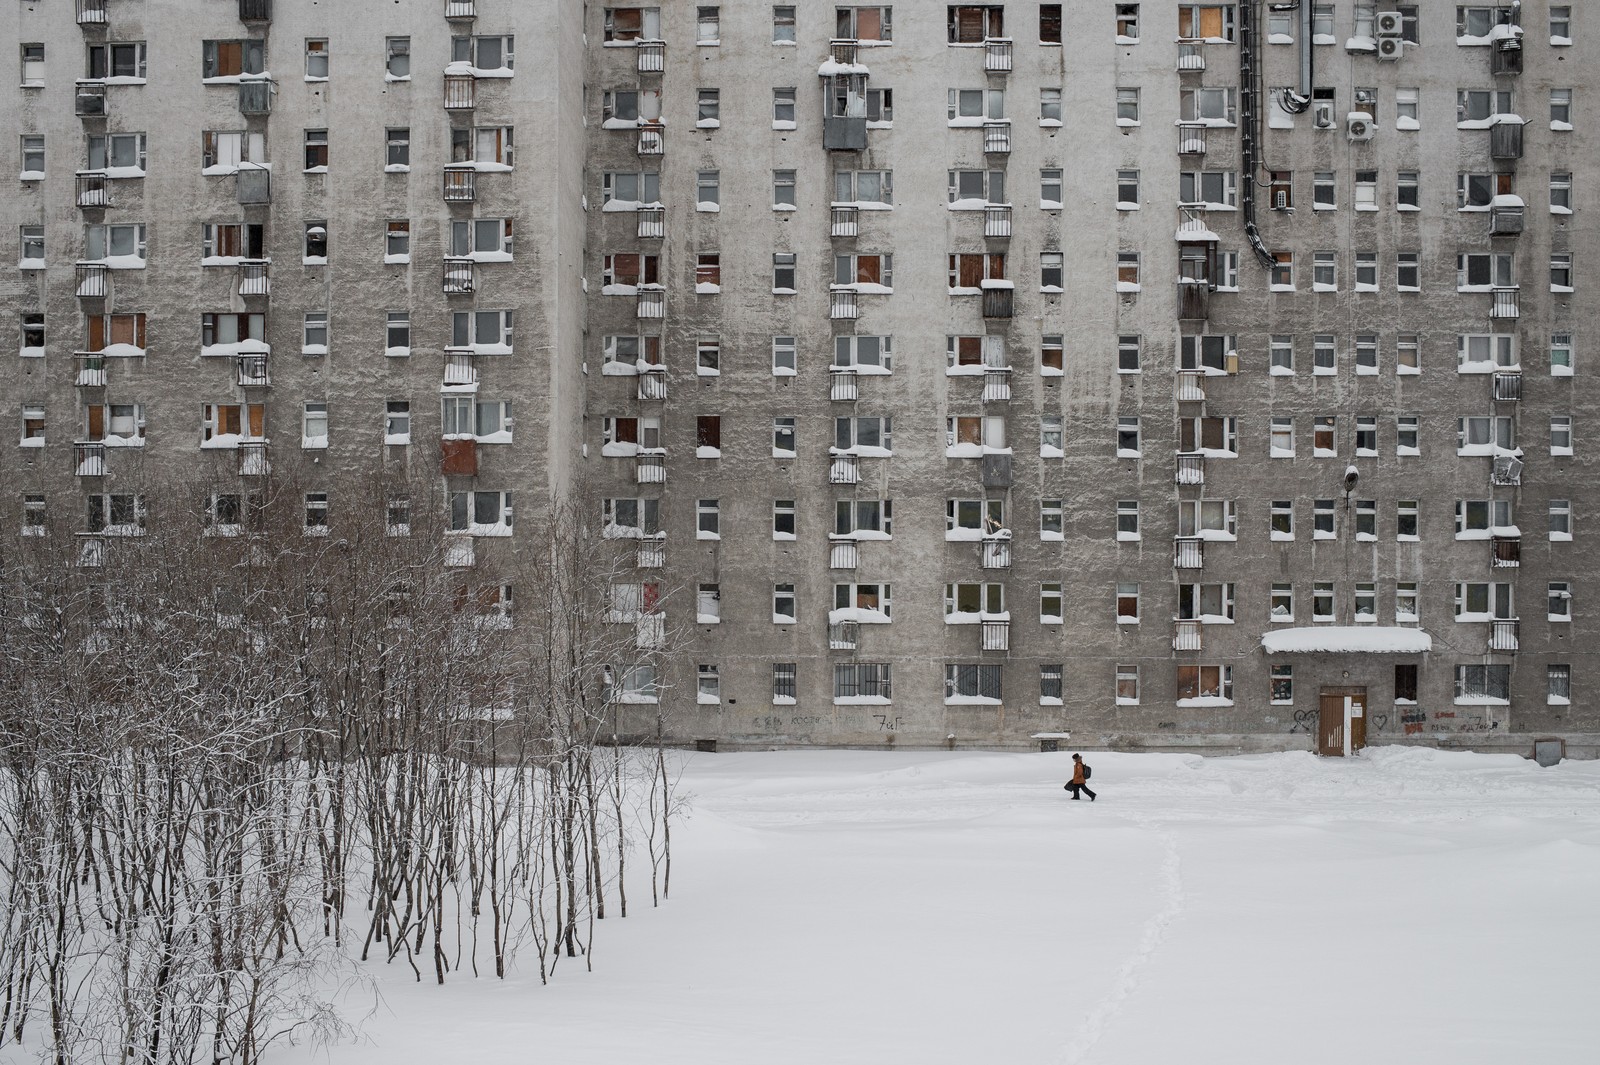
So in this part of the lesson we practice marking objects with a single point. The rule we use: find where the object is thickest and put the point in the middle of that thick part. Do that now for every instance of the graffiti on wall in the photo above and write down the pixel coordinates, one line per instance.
(1456, 721)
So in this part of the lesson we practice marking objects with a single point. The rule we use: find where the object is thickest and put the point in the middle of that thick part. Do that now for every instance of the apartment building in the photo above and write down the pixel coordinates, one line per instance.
(1170, 375)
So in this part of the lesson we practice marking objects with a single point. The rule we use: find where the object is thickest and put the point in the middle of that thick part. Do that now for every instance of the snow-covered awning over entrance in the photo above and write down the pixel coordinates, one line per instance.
(1344, 639)
(1193, 229)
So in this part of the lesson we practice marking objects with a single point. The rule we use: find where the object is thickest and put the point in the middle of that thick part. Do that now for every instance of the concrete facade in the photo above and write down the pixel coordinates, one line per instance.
(581, 103)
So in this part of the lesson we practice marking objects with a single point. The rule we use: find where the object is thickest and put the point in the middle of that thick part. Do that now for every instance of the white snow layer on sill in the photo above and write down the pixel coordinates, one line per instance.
(829, 68)
(1051, 537)
(1127, 286)
(31, 353)
(397, 260)
(859, 535)
(1492, 120)
(864, 450)
(703, 452)
(970, 700)
(1361, 44)
(1323, 38)
(1203, 700)
(313, 349)
(780, 123)
(1407, 123)
(708, 123)
(1479, 700)
(1051, 205)
(242, 347)
(125, 351)
(1280, 38)
(708, 619)
(1337, 639)
(860, 615)
(314, 260)
(1127, 122)
(32, 441)
(708, 207)
(1561, 127)
(706, 288)
(630, 205)
(1123, 39)
(463, 67)
(783, 619)
(862, 700)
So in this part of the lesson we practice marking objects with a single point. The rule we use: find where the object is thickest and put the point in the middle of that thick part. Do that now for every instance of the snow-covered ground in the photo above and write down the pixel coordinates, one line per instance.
(1407, 906)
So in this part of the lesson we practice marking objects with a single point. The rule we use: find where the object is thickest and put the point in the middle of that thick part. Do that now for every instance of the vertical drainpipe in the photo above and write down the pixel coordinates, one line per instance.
(1249, 126)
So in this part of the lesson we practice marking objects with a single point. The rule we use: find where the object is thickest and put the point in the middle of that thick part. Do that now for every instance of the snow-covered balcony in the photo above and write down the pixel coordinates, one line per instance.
(996, 635)
(1186, 635)
(459, 277)
(1504, 303)
(650, 632)
(91, 100)
(997, 55)
(255, 96)
(843, 554)
(650, 469)
(253, 459)
(844, 469)
(651, 554)
(652, 138)
(652, 223)
(252, 371)
(997, 550)
(89, 458)
(846, 220)
(997, 385)
(255, 277)
(843, 385)
(460, 372)
(842, 50)
(844, 635)
(1191, 386)
(1503, 634)
(1191, 57)
(997, 138)
(93, 280)
(1191, 138)
(652, 57)
(460, 184)
(652, 302)
(1505, 470)
(93, 190)
(460, 92)
(1507, 551)
(997, 221)
(1508, 386)
(91, 369)
(1188, 552)
(92, 12)
(460, 552)
(842, 304)
(653, 382)
(1191, 468)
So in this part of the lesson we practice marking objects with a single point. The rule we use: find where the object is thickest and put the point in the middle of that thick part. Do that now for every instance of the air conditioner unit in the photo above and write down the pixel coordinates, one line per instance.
(1390, 24)
(1322, 116)
(1391, 48)
(1360, 129)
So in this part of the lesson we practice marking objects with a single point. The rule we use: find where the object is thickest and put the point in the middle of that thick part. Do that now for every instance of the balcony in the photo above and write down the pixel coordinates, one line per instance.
(1505, 304)
(997, 221)
(843, 50)
(253, 459)
(1505, 140)
(253, 185)
(1188, 552)
(93, 190)
(94, 281)
(89, 459)
(843, 554)
(996, 551)
(459, 551)
(996, 635)
(1505, 470)
(1194, 301)
(652, 139)
(650, 632)
(1186, 635)
(460, 10)
(844, 133)
(652, 223)
(91, 369)
(997, 138)
(843, 386)
(1191, 468)
(1503, 635)
(651, 554)
(1507, 552)
(652, 57)
(650, 469)
(459, 370)
(843, 635)
(1191, 386)
(460, 184)
(997, 301)
(844, 469)
(92, 12)
(653, 384)
(91, 100)
(846, 221)
(997, 55)
(842, 304)
(255, 277)
(652, 303)
(1505, 221)
(1191, 139)
(458, 458)
(997, 386)
(1191, 57)
(255, 10)
(253, 371)
(459, 277)
(460, 92)
(1508, 386)
(255, 97)
(1506, 57)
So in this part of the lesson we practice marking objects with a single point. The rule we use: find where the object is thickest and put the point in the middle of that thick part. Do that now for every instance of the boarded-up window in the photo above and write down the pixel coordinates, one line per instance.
(1051, 353)
(1049, 23)
(708, 430)
(1405, 682)
(708, 270)
(969, 351)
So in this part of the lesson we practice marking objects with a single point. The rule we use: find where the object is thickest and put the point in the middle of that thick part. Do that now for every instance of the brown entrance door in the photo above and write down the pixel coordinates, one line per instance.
(1330, 725)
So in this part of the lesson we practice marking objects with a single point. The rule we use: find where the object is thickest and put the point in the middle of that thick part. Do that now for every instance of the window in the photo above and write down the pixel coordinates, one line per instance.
(708, 436)
(1052, 272)
(1485, 435)
(32, 65)
(1050, 107)
(397, 61)
(1127, 106)
(1210, 519)
(783, 108)
(1322, 601)
(1214, 684)
(783, 678)
(1483, 683)
(1561, 109)
(483, 146)
(1282, 271)
(630, 517)
(1127, 520)
(868, 186)
(783, 519)
(116, 245)
(968, 271)
(1560, 187)
(708, 520)
(1561, 434)
(122, 153)
(708, 604)
(33, 425)
(783, 190)
(485, 332)
(1408, 271)
(1280, 609)
(33, 515)
(708, 109)
(1483, 601)
(974, 188)
(1482, 105)
(397, 422)
(230, 59)
(783, 273)
(1282, 685)
(1050, 603)
(1477, 519)
(1408, 353)
(1324, 271)
(1560, 271)
(784, 357)
(1206, 603)
(783, 24)
(1127, 271)
(974, 106)
(1479, 271)
(484, 55)
(969, 436)
(1215, 437)
(1210, 188)
(863, 436)
(708, 273)
(1050, 185)
(480, 513)
(861, 269)
(628, 188)
(314, 425)
(1050, 685)
(1206, 22)
(628, 108)
(314, 252)
(1560, 24)
(116, 515)
(1405, 602)
(967, 603)
(397, 241)
(1051, 436)
(707, 190)
(974, 23)
(1052, 353)
(863, 519)
(1477, 191)
(1281, 520)
(1217, 106)
(1560, 519)
(1558, 681)
(1324, 194)
(1484, 352)
(1366, 190)
(1128, 443)
(31, 240)
(119, 59)
(1366, 520)
(971, 519)
(1322, 520)
(481, 239)
(1405, 512)
(1367, 276)
(222, 151)
(1127, 603)
(32, 157)
(967, 683)
(783, 604)
(1128, 346)
(397, 142)
(316, 59)
(1051, 524)
(863, 353)
(314, 336)
(489, 422)
(33, 335)
(1405, 683)
(861, 682)
(1127, 23)
(1127, 685)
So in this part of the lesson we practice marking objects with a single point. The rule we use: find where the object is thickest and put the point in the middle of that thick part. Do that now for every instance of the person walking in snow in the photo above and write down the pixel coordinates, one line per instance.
(1080, 779)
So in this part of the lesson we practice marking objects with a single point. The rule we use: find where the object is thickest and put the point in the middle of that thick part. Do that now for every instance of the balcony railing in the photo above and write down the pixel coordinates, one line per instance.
(1505, 140)
(997, 221)
(1191, 386)
(844, 469)
(460, 184)
(460, 10)
(652, 554)
(1191, 468)
(255, 10)
(652, 57)
(1505, 221)
(91, 101)
(652, 222)
(843, 554)
(997, 386)
(844, 635)
(652, 303)
(458, 457)
(89, 459)
(997, 55)
(253, 371)
(1506, 57)
(91, 369)
(996, 635)
(94, 190)
(255, 277)
(1186, 635)
(253, 459)
(843, 385)
(91, 12)
(846, 221)
(1191, 139)
(653, 384)
(1188, 552)
(460, 551)
(460, 92)
(650, 469)
(996, 138)
(652, 140)
(996, 552)
(459, 370)
(997, 303)
(1505, 304)
(1194, 301)
(255, 96)
(94, 280)
(1505, 470)
(650, 632)
(1191, 57)
(1503, 635)
(843, 50)
(1507, 552)
(1508, 386)
(252, 185)
(459, 276)
(842, 304)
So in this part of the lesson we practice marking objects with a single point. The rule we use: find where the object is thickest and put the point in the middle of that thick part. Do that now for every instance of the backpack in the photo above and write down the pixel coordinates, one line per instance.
(1087, 772)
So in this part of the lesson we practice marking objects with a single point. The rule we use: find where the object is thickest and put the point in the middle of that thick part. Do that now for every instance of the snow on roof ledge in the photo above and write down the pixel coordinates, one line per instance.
(1344, 639)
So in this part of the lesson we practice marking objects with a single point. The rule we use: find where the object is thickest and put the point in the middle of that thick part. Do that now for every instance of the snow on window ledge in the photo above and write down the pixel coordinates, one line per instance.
(1203, 701)
(862, 700)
